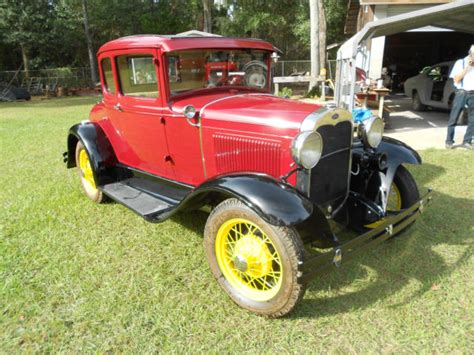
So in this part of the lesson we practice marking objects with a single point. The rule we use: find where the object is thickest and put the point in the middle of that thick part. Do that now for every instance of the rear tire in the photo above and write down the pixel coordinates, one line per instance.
(255, 263)
(86, 173)
(417, 104)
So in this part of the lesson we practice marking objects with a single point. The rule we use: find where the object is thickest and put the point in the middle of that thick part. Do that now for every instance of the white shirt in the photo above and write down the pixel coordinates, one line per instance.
(467, 83)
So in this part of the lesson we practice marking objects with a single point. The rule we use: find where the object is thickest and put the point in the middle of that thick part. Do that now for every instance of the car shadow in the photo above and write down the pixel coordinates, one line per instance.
(194, 220)
(391, 266)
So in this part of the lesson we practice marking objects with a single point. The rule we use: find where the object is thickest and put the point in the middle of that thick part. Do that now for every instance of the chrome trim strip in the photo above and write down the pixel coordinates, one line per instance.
(202, 151)
(201, 111)
(324, 116)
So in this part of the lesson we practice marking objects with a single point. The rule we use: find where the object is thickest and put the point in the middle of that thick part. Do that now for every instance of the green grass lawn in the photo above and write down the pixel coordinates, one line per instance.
(75, 276)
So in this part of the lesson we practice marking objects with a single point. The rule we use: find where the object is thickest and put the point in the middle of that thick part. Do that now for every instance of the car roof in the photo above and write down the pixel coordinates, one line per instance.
(451, 62)
(169, 43)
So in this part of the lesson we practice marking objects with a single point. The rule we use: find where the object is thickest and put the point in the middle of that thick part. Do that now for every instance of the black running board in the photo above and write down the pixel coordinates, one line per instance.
(151, 207)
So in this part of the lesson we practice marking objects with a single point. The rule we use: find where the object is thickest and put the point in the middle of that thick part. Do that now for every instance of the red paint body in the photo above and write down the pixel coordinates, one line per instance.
(241, 129)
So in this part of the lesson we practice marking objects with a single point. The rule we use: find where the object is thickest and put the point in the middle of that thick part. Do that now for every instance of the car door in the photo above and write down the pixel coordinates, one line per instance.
(138, 112)
(184, 135)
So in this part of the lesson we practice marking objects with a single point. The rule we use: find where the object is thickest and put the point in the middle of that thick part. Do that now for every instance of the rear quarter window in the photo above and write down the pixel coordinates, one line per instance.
(108, 75)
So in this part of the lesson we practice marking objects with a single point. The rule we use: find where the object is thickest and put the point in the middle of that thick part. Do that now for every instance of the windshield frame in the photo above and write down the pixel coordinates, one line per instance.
(215, 89)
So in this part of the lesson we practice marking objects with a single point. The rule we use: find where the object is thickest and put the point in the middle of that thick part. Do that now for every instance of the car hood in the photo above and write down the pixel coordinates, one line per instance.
(251, 108)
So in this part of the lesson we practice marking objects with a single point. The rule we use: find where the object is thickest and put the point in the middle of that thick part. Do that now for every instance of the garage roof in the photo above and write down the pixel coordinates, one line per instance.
(457, 16)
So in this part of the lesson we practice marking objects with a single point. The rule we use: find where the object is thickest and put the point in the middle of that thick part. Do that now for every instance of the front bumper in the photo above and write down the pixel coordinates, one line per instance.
(393, 225)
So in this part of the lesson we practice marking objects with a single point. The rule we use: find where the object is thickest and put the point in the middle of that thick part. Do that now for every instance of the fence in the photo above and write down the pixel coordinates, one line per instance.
(80, 77)
(288, 67)
(66, 77)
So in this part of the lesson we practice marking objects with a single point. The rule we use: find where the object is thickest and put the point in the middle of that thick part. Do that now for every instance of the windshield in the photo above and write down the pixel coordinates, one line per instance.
(199, 69)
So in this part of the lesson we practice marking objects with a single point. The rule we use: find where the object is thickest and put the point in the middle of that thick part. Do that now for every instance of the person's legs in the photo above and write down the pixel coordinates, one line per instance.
(470, 123)
(458, 104)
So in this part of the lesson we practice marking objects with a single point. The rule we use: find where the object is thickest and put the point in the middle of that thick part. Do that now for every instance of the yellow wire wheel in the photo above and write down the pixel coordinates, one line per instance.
(248, 259)
(394, 202)
(403, 193)
(86, 174)
(255, 262)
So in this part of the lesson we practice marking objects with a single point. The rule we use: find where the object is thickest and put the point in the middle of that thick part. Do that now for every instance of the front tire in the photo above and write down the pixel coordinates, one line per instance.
(417, 104)
(84, 169)
(256, 263)
(403, 192)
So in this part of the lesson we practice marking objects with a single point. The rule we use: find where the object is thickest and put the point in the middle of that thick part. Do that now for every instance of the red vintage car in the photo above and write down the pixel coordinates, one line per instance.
(176, 132)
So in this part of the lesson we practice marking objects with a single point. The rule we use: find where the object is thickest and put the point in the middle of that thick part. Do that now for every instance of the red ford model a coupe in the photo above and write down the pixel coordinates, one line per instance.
(189, 122)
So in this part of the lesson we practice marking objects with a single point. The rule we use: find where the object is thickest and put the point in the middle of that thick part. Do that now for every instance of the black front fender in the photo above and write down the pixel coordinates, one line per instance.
(101, 153)
(277, 203)
(397, 153)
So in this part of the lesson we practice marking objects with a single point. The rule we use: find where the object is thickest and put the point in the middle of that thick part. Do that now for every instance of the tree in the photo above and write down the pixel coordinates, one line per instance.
(270, 20)
(26, 25)
(322, 34)
(90, 49)
(207, 12)
(335, 13)
(314, 20)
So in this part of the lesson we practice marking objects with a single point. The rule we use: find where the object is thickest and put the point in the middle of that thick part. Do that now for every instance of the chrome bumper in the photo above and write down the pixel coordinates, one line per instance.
(393, 225)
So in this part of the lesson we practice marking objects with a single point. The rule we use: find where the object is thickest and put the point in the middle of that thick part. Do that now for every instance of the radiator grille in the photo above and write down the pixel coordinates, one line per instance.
(329, 182)
(234, 153)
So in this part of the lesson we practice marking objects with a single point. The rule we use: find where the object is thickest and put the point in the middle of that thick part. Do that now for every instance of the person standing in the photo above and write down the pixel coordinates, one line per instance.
(463, 77)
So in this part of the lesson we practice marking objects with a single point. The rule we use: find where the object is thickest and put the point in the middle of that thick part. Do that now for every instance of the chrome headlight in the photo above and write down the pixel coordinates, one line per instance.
(307, 148)
(371, 132)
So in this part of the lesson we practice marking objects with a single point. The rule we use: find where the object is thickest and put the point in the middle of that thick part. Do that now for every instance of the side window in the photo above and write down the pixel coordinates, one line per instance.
(137, 75)
(108, 75)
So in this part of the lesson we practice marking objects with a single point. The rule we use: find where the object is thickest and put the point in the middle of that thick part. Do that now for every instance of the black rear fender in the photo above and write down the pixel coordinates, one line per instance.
(101, 153)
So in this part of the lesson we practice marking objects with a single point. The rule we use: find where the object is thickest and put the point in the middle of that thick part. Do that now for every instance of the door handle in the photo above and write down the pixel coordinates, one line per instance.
(118, 107)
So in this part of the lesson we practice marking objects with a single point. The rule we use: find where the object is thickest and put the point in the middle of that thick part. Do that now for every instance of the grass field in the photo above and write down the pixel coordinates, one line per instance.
(75, 276)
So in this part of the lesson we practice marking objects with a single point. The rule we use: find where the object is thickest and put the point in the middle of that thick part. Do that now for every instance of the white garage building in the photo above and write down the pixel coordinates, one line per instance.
(405, 52)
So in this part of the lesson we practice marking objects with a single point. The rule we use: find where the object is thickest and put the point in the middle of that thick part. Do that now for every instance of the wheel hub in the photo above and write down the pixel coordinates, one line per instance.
(240, 263)
(252, 256)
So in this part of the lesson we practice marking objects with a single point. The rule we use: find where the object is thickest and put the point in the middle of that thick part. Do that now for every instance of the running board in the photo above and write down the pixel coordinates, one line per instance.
(146, 205)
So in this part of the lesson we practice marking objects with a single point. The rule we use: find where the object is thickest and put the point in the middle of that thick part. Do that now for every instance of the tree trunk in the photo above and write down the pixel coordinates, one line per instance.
(90, 49)
(26, 62)
(314, 21)
(322, 34)
(207, 6)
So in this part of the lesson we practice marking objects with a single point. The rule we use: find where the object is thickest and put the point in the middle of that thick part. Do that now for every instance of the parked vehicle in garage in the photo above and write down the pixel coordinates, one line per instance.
(433, 88)
(169, 137)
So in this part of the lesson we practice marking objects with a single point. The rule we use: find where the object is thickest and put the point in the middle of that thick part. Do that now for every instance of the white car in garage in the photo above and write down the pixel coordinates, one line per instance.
(432, 87)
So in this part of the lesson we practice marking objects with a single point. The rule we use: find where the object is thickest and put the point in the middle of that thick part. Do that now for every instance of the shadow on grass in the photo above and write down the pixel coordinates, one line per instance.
(192, 220)
(393, 265)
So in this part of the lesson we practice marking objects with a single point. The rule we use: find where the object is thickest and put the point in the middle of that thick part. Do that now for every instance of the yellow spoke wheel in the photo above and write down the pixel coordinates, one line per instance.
(248, 259)
(86, 169)
(394, 202)
(256, 263)
(403, 193)
(86, 174)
